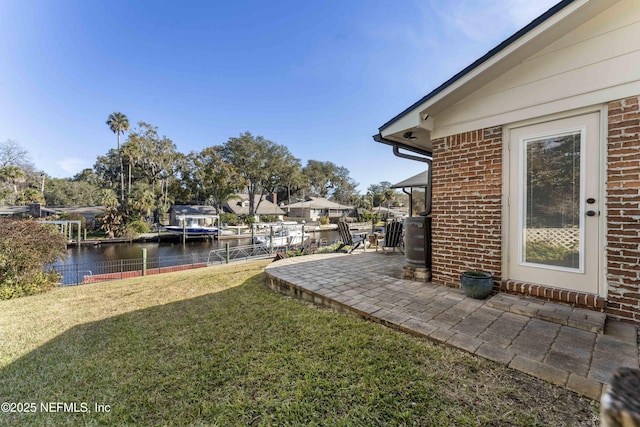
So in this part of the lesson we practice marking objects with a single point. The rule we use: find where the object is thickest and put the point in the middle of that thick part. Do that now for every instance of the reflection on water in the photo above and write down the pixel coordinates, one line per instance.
(116, 251)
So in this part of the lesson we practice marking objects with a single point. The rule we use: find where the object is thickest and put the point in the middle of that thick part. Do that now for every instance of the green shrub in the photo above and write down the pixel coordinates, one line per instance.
(324, 220)
(269, 218)
(373, 217)
(37, 283)
(328, 249)
(139, 227)
(247, 219)
(297, 252)
(26, 247)
(228, 218)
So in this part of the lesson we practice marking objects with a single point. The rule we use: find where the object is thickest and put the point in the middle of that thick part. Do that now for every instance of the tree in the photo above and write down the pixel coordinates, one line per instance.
(262, 163)
(144, 200)
(133, 153)
(363, 201)
(111, 222)
(319, 177)
(69, 192)
(284, 167)
(105, 171)
(345, 187)
(26, 247)
(13, 154)
(209, 177)
(328, 180)
(159, 161)
(293, 182)
(28, 196)
(381, 193)
(119, 123)
(12, 175)
(87, 175)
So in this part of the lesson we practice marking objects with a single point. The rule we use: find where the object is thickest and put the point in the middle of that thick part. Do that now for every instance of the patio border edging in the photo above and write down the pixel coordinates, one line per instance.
(587, 387)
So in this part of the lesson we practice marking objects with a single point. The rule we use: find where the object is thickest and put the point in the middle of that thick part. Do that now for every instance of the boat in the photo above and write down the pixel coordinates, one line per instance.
(285, 233)
(192, 226)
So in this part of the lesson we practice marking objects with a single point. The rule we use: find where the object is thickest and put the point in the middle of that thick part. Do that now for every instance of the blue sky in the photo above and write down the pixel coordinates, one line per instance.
(319, 77)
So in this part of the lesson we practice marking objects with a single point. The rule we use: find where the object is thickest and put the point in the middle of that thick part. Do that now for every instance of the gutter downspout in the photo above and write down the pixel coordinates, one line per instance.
(423, 156)
(410, 194)
(383, 140)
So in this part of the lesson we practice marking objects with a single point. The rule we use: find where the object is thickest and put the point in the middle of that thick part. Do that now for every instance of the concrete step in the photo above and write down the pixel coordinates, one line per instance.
(562, 314)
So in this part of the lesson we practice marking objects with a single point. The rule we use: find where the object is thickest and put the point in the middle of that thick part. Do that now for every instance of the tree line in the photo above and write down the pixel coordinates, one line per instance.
(144, 174)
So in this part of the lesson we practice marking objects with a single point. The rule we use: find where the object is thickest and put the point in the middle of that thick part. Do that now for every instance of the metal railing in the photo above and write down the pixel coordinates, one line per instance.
(236, 253)
(96, 272)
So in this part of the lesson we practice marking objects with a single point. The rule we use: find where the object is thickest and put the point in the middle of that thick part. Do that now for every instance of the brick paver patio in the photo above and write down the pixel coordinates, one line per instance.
(569, 347)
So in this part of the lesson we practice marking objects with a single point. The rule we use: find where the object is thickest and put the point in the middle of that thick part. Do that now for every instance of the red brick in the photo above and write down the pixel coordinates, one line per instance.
(467, 202)
(623, 196)
(467, 211)
(621, 314)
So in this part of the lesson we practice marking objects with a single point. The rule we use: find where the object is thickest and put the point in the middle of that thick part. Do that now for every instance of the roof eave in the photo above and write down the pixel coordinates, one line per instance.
(449, 84)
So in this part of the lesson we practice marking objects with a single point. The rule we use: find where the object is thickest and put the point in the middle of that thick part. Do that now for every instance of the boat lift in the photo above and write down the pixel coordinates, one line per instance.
(66, 228)
(195, 226)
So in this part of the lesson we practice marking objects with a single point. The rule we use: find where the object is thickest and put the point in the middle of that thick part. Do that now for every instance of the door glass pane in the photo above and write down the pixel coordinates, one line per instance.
(552, 201)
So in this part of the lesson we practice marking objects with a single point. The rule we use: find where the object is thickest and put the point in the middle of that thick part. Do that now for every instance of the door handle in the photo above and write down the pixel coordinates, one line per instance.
(591, 213)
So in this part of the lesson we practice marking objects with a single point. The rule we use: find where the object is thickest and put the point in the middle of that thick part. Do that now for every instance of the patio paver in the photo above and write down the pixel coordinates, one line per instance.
(566, 346)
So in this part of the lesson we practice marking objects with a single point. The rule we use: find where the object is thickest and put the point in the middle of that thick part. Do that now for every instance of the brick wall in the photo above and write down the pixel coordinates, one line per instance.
(623, 210)
(467, 212)
(467, 205)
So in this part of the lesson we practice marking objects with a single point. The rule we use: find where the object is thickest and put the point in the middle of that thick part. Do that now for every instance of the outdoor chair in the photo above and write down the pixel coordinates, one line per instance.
(353, 240)
(392, 236)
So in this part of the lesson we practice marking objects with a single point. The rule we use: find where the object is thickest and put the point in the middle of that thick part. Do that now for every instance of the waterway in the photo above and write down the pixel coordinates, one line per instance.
(86, 254)
(89, 254)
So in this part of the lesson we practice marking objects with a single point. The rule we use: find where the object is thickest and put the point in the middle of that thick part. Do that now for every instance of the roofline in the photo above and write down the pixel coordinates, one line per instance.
(524, 30)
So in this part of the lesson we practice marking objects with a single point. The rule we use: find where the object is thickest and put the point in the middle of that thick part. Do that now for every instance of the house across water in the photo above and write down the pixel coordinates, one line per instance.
(311, 209)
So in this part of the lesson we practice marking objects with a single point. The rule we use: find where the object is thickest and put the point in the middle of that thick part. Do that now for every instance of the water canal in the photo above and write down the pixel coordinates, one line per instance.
(91, 263)
(88, 254)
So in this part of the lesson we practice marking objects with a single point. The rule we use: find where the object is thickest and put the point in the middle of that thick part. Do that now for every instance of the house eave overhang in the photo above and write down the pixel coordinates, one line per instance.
(421, 117)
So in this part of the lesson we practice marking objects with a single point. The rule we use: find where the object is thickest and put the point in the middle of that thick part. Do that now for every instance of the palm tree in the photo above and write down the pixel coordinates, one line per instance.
(133, 153)
(111, 221)
(109, 199)
(144, 199)
(119, 123)
(12, 175)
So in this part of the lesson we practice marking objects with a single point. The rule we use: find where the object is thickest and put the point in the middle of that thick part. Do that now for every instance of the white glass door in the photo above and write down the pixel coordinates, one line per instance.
(553, 203)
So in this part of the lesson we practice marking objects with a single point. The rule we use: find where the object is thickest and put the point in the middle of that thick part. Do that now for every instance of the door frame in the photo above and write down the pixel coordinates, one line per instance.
(602, 287)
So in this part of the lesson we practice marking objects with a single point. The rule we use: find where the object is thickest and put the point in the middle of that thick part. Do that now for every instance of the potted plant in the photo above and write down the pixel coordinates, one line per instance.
(476, 284)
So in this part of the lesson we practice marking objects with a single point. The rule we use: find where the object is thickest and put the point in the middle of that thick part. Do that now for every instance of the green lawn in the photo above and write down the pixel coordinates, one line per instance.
(215, 347)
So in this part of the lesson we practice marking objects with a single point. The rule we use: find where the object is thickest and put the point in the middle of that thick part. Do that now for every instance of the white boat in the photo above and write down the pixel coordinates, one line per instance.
(195, 226)
(284, 234)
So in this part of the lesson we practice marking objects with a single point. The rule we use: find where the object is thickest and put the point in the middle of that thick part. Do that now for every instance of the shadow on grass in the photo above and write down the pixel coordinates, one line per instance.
(246, 356)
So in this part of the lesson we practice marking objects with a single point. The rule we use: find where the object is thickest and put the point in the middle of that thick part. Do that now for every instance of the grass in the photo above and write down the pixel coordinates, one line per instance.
(215, 347)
